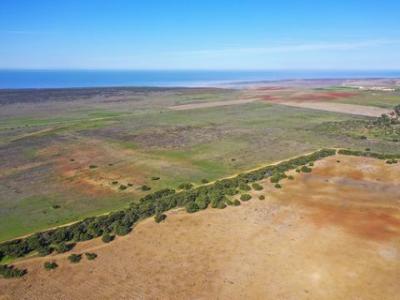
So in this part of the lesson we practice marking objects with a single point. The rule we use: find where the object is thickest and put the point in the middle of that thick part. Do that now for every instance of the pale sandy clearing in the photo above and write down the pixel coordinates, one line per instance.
(352, 109)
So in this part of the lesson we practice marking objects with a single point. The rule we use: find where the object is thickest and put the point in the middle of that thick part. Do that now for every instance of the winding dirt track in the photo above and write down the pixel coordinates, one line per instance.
(330, 234)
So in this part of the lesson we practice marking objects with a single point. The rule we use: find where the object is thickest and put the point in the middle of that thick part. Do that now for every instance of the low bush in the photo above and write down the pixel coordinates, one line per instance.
(391, 161)
(277, 177)
(261, 197)
(122, 229)
(245, 197)
(278, 186)
(290, 177)
(63, 247)
(92, 167)
(160, 217)
(306, 169)
(7, 271)
(90, 256)
(204, 180)
(114, 182)
(236, 202)
(50, 265)
(155, 178)
(44, 250)
(123, 187)
(145, 188)
(75, 258)
(257, 187)
(244, 186)
(185, 186)
(192, 207)
(106, 238)
(311, 164)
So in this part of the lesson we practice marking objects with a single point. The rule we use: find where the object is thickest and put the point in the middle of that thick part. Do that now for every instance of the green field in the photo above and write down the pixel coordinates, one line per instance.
(46, 149)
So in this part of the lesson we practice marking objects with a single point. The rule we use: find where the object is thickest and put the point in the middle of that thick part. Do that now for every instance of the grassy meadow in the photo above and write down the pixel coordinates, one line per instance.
(66, 158)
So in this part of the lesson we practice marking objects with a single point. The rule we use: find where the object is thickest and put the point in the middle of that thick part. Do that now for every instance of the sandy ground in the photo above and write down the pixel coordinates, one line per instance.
(211, 104)
(368, 111)
(331, 234)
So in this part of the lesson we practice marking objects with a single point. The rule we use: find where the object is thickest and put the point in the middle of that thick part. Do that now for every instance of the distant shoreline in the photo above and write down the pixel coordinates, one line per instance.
(81, 79)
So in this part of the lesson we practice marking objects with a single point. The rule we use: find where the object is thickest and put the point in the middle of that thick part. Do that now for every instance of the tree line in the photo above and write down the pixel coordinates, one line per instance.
(121, 222)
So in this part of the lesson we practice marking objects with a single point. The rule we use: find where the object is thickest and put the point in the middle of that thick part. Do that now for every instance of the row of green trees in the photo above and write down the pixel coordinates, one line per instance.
(121, 222)
(368, 154)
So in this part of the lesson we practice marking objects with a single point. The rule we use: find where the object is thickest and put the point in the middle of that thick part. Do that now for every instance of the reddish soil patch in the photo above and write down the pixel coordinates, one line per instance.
(323, 96)
(330, 234)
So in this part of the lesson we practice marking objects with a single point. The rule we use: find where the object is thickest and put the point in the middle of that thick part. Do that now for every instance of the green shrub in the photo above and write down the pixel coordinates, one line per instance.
(90, 256)
(160, 217)
(261, 197)
(221, 205)
(75, 258)
(298, 170)
(155, 178)
(44, 250)
(244, 186)
(185, 186)
(122, 229)
(231, 191)
(204, 180)
(192, 207)
(278, 186)
(277, 177)
(306, 169)
(114, 182)
(236, 202)
(290, 177)
(145, 188)
(106, 238)
(311, 164)
(202, 201)
(11, 272)
(50, 265)
(92, 167)
(123, 187)
(63, 247)
(245, 197)
(257, 187)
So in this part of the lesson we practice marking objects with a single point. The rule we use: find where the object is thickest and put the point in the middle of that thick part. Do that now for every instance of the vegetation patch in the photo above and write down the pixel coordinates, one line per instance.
(90, 256)
(50, 265)
(75, 258)
(7, 271)
(245, 197)
(121, 222)
(257, 187)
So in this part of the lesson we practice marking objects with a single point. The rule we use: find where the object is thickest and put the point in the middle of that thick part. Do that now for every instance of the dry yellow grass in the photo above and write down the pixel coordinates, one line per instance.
(331, 234)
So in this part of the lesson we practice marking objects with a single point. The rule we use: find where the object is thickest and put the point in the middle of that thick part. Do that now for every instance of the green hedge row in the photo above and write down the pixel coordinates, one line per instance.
(121, 222)
(368, 154)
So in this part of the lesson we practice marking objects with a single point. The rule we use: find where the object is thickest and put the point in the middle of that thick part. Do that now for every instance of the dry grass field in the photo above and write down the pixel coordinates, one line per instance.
(330, 234)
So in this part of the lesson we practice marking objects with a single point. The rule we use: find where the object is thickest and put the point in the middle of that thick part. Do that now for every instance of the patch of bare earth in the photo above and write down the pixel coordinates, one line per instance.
(330, 234)
(352, 109)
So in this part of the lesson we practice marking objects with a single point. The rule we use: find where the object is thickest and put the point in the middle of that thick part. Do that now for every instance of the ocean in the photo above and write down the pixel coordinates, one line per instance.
(18, 79)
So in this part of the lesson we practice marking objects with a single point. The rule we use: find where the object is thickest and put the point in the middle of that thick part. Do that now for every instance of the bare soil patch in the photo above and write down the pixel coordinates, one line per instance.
(352, 109)
(330, 234)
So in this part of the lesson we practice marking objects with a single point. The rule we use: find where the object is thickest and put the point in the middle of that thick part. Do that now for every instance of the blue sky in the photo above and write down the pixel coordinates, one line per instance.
(248, 34)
